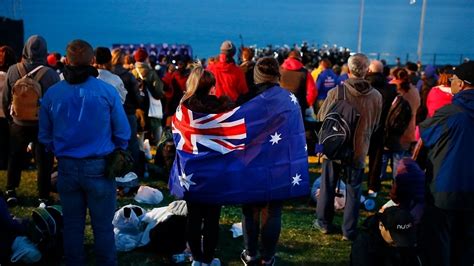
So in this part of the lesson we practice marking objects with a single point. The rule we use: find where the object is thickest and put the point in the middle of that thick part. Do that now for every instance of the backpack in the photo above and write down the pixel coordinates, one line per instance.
(47, 229)
(27, 93)
(336, 135)
(398, 119)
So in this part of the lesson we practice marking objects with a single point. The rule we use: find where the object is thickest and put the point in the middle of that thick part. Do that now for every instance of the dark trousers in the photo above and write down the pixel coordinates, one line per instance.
(375, 168)
(20, 137)
(203, 220)
(4, 140)
(448, 237)
(262, 220)
(331, 172)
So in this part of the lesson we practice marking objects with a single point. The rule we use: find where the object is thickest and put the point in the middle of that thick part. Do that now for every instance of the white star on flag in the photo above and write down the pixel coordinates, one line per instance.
(296, 179)
(185, 180)
(275, 138)
(306, 147)
(293, 98)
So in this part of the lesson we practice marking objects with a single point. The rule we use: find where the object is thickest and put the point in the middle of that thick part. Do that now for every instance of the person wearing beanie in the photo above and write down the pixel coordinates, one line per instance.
(408, 189)
(297, 80)
(140, 55)
(21, 131)
(449, 137)
(266, 75)
(230, 79)
(103, 59)
(83, 121)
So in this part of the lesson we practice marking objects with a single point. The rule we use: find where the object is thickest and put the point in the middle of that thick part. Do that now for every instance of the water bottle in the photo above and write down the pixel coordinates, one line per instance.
(367, 203)
(179, 258)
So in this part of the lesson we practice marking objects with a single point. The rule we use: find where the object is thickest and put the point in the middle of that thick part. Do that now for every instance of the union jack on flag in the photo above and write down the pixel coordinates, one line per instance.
(213, 131)
(253, 153)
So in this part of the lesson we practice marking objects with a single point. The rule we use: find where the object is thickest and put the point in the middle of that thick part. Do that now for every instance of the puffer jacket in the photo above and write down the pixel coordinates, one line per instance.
(368, 102)
(131, 85)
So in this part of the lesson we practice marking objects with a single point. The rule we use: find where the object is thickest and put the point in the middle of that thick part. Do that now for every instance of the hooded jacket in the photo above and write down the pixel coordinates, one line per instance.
(34, 55)
(449, 136)
(296, 79)
(230, 80)
(368, 102)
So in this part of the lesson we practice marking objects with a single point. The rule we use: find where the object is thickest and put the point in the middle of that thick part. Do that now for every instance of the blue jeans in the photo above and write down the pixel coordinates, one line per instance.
(331, 172)
(81, 185)
(395, 156)
(262, 220)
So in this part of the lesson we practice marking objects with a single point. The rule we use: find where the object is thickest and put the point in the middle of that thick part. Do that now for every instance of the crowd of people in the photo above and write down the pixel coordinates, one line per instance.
(79, 108)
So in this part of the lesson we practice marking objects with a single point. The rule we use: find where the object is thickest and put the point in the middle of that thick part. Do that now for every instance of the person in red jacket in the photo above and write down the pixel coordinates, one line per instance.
(230, 79)
(296, 79)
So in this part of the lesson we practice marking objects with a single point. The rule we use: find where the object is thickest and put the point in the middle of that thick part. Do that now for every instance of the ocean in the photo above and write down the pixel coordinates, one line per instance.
(389, 26)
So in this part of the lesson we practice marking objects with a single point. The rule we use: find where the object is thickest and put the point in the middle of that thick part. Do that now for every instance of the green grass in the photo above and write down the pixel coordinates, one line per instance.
(299, 243)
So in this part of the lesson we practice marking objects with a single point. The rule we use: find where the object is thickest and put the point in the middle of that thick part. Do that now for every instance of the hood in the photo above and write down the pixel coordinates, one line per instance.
(359, 85)
(409, 183)
(223, 66)
(466, 100)
(79, 74)
(376, 80)
(292, 64)
(430, 71)
(144, 68)
(35, 50)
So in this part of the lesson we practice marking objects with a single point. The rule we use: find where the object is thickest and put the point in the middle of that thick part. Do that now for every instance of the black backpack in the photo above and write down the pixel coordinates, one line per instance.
(397, 122)
(336, 135)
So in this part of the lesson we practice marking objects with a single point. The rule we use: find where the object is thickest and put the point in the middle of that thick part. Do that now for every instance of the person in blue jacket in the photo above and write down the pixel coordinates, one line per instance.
(81, 121)
(449, 135)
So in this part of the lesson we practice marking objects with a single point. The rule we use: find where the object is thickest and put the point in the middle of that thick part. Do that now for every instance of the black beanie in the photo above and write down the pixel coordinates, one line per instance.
(102, 55)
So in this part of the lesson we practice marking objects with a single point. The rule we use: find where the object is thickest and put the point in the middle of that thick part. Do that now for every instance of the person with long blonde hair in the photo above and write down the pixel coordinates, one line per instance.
(203, 219)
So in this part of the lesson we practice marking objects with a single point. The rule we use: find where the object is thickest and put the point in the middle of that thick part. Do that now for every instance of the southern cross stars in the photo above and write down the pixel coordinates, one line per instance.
(275, 138)
(296, 179)
(185, 180)
(293, 98)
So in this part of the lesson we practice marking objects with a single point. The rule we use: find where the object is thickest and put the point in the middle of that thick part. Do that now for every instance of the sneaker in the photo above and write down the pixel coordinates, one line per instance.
(318, 227)
(215, 262)
(346, 238)
(10, 195)
(271, 262)
(248, 260)
(371, 193)
(43, 202)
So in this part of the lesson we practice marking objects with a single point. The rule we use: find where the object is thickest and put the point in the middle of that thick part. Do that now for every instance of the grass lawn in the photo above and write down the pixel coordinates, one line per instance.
(299, 243)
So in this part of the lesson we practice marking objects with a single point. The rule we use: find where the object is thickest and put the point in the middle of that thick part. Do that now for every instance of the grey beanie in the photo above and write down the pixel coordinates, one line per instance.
(227, 47)
(266, 70)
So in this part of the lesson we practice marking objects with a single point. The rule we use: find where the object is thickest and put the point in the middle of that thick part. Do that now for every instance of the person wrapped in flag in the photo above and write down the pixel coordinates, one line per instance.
(255, 152)
(202, 217)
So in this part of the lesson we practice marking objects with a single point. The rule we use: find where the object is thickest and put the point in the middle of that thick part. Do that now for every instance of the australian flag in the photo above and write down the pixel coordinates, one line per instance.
(254, 153)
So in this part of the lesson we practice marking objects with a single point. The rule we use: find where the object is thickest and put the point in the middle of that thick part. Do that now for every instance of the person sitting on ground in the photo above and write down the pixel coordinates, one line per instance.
(408, 189)
(387, 238)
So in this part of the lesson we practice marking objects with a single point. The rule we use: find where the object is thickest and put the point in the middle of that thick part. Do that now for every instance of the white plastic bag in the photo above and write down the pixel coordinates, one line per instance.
(148, 195)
